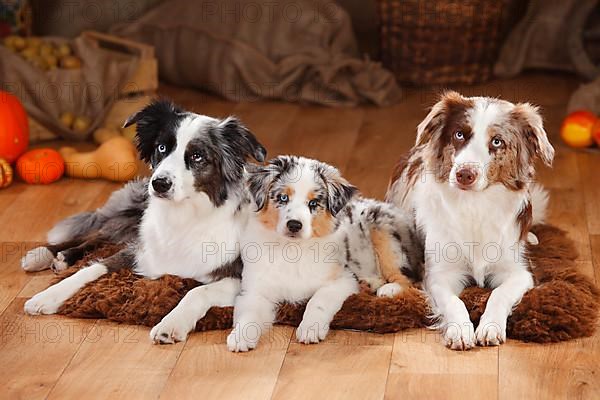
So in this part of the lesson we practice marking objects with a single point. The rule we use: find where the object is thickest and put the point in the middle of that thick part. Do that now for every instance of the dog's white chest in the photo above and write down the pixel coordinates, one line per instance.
(469, 230)
(176, 241)
(287, 270)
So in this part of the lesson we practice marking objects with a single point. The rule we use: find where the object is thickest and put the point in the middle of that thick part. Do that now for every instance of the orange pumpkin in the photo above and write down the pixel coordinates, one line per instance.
(6, 173)
(14, 127)
(41, 166)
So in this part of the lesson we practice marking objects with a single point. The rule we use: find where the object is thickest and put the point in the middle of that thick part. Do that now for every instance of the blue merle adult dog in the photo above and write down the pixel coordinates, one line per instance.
(185, 220)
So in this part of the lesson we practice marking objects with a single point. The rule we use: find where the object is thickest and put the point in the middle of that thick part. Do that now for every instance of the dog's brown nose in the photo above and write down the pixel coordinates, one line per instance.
(466, 176)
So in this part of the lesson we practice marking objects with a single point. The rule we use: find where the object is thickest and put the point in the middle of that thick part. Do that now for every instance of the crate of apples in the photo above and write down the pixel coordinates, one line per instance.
(581, 129)
(43, 54)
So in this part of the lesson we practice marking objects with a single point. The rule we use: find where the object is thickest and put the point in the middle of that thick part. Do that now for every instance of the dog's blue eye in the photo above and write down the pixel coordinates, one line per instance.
(283, 198)
(497, 142)
(459, 135)
(312, 204)
(196, 157)
(162, 148)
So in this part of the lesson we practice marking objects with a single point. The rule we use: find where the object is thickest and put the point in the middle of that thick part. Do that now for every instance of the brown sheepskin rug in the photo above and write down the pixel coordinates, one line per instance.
(563, 305)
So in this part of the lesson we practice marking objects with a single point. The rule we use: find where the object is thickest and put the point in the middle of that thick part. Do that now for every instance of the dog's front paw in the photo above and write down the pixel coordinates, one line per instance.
(46, 302)
(389, 290)
(491, 331)
(238, 343)
(311, 331)
(37, 259)
(459, 336)
(172, 329)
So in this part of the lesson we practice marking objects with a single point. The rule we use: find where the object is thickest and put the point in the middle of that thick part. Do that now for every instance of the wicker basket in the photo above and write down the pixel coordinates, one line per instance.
(439, 42)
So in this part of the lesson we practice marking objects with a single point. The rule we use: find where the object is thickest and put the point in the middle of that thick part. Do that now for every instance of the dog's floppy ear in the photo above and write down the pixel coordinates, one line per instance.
(242, 140)
(259, 178)
(339, 190)
(238, 144)
(529, 122)
(433, 123)
(151, 120)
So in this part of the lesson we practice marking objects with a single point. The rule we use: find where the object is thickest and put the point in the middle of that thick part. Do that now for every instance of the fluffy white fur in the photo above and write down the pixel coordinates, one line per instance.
(458, 246)
(197, 240)
(335, 240)
(37, 259)
(185, 235)
(279, 268)
(473, 233)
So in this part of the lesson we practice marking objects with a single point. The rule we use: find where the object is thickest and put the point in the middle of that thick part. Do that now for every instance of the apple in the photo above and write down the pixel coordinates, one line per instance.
(576, 129)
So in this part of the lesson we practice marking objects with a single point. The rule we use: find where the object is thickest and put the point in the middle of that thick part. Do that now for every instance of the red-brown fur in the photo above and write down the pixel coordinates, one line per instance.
(524, 219)
(269, 215)
(322, 221)
(436, 146)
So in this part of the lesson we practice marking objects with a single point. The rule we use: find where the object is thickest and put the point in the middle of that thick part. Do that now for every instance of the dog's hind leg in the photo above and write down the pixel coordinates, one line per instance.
(116, 221)
(50, 300)
(37, 259)
(59, 256)
(43, 257)
(69, 256)
(390, 264)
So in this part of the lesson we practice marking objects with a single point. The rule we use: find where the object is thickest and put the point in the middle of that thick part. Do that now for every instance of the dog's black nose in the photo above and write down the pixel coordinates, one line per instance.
(294, 225)
(161, 184)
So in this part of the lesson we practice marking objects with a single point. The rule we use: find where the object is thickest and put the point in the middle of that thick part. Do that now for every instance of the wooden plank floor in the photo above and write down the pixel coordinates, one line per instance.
(56, 357)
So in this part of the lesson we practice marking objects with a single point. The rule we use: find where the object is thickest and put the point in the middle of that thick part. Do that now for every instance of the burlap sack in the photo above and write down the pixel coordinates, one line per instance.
(586, 97)
(245, 50)
(551, 36)
(89, 91)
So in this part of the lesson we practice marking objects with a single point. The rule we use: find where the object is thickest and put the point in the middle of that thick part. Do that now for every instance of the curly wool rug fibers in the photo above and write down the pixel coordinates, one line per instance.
(563, 305)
